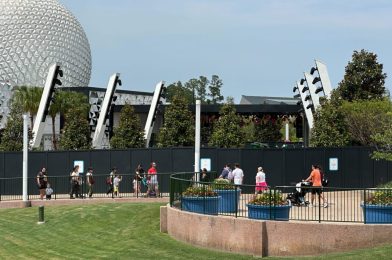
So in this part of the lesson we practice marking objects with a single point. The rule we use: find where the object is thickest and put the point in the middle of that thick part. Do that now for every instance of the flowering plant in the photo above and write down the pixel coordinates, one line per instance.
(222, 184)
(199, 191)
(381, 196)
(268, 198)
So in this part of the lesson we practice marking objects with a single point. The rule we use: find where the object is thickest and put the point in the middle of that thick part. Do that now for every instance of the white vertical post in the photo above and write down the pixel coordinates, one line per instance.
(324, 77)
(107, 101)
(308, 112)
(197, 140)
(287, 132)
(152, 113)
(25, 155)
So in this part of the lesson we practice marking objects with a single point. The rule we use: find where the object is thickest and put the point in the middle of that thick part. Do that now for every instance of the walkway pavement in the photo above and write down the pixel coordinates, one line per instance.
(38, 202)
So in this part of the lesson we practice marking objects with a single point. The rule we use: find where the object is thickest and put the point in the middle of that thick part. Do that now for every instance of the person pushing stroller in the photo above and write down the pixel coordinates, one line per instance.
(316, 179)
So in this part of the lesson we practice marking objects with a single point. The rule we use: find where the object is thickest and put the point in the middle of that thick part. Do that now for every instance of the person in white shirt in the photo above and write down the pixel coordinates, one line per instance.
(75, 186)
(261, 184)
(116, 185)
(238, 174)
(90, 181)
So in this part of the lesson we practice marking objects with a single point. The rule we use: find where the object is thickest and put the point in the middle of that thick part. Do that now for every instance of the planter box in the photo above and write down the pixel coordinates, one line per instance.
(229, 200)
(377, 214)
(202, 205)
(268, 212)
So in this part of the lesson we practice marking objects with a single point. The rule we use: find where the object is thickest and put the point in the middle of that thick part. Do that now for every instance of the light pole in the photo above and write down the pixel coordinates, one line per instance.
(197, 140)
(25, 201)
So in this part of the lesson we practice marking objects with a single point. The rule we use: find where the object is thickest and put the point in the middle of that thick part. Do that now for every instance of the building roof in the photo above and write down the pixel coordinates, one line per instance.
(260, 100)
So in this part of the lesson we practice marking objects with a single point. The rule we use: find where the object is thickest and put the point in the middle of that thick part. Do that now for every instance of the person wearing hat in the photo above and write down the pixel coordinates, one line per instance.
(261, 184)
(90, 181)
(153, 179)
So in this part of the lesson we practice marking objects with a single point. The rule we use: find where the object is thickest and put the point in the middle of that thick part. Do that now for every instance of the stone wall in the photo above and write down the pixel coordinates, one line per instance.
(270, 238)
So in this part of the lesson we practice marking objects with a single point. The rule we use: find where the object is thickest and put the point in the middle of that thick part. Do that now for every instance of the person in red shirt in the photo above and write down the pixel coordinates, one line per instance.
(315, 178)
(153, 179)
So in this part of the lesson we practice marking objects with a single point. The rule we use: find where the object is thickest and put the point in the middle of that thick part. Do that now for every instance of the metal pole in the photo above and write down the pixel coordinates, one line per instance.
(41, 214)
(287, 132)
(197, 140)
(25, 156)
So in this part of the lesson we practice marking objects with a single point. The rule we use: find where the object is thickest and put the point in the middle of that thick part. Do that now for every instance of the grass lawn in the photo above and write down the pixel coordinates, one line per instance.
(114, 231)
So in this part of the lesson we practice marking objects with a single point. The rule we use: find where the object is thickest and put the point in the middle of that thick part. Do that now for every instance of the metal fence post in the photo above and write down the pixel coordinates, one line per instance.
(171, 192)
(364, 206)
(319, 207)
(236, 200)
(270, 207)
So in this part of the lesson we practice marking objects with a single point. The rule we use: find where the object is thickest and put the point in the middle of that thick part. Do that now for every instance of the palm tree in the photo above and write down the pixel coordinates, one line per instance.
(28, 98)
(59, 106)
(62, 103)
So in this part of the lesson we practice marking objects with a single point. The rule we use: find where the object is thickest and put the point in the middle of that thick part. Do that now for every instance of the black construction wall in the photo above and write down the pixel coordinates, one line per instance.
(282, 166)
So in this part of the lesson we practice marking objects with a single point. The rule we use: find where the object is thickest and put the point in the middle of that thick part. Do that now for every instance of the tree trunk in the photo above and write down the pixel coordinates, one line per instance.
(31, 121)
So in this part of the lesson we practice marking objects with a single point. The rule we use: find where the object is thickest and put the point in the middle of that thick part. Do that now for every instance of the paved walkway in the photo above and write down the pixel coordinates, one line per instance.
(343, 206)
(38, 202)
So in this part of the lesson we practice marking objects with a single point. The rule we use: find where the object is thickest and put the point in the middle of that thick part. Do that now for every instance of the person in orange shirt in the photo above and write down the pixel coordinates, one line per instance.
(315, 178)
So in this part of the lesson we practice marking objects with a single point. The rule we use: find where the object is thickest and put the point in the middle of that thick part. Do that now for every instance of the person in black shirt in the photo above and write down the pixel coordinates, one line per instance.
(204, 176)
(137, 180)
(42, 182)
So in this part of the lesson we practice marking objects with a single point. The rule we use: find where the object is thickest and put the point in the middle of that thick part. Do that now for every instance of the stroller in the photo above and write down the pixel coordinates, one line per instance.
(146, 181)
(297, 198)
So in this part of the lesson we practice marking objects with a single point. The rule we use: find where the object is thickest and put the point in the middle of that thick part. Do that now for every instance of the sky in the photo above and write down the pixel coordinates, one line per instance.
(257, 47)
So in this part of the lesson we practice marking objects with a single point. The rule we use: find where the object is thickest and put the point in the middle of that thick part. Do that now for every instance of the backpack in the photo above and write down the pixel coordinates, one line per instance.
(91, 179)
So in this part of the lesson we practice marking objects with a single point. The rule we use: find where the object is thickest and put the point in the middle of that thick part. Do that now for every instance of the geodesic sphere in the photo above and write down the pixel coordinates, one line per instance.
(34, 34)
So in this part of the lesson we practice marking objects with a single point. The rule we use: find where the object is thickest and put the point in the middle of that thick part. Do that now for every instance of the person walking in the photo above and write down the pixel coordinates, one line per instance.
(49, 192)
(90, 182)
(261, 184)
(225, 171)
(42, 181)
(75, 187)
(153, 180)
(137, 180)
(116, 185)
(315, 178)
(238, 174)
(109, 180)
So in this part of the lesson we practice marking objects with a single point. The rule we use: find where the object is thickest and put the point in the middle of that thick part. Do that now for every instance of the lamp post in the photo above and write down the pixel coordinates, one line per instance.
(25, 201)
(197, 140)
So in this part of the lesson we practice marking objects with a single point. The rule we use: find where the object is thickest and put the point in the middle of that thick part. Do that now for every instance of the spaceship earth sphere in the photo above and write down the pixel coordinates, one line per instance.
(34, 34)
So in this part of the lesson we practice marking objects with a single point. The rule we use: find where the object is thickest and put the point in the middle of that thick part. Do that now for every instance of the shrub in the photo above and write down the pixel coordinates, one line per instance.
(382, 196)
(268, 198)
(199, 191)
(222, 184)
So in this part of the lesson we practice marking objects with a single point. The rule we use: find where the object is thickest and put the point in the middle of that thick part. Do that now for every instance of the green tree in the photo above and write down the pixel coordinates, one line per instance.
(383, 140)
(178, 128)
(248, 128)
(364, 78)
(129, 133)
(177, 88)
(76, 132)
(329, 129)
(196, 88)
(12, 136)
(215, 90)
(268, 129)
(28, 98)
(191, 86)
(201, 88)
(227, 130)
(364, 118)
(63, 101)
